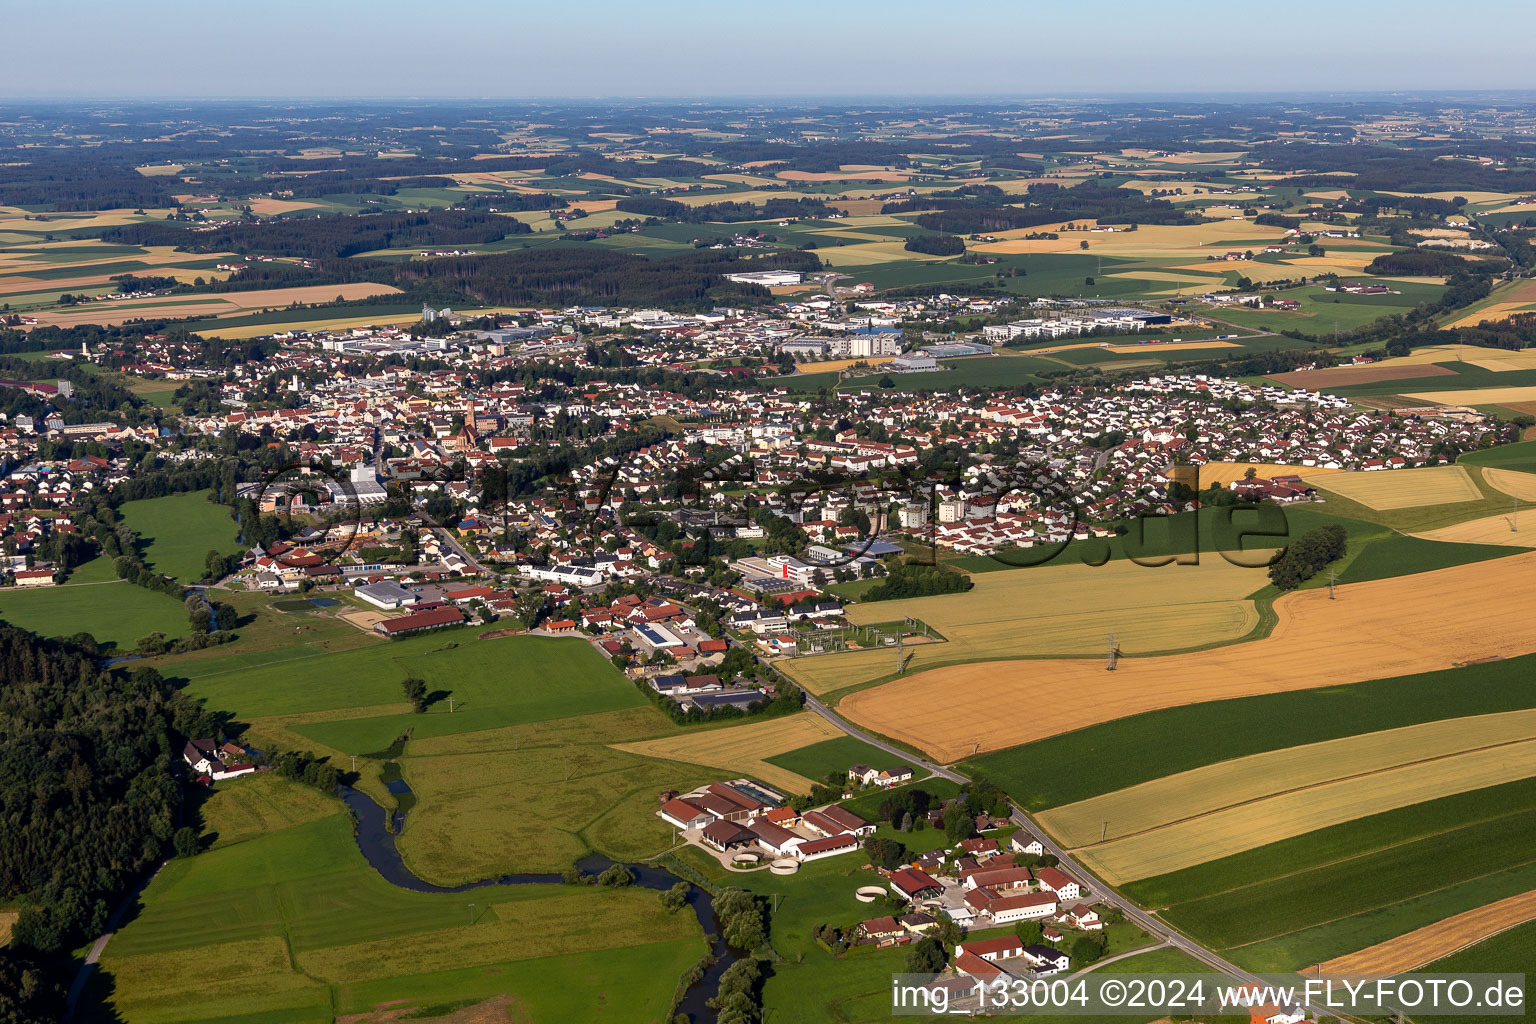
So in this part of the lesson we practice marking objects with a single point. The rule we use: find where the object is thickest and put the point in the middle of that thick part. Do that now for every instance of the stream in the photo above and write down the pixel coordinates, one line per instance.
(378, 846)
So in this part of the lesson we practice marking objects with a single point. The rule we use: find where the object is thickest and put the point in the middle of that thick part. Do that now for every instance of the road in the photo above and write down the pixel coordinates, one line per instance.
(1146, 922)
(99, 947)
(452, 543)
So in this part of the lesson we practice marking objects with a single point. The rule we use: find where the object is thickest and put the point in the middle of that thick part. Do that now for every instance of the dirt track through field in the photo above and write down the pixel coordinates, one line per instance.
(1374, 630)
(1425, 945)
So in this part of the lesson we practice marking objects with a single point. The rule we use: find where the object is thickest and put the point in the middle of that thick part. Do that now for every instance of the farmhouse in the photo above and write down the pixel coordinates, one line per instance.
(1023, 842)
(1059, 882)
(217, 761)
(881, 932)
(34, 577)
(1046, 960)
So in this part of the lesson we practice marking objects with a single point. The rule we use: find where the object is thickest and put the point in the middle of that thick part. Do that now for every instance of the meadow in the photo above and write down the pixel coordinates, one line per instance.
(287, 922)
(1372, 630)
(832, 756)
(116, 613)
(179, 530)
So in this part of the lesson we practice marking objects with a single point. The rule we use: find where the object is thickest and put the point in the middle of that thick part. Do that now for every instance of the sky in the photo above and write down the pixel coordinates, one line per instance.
(512, 49)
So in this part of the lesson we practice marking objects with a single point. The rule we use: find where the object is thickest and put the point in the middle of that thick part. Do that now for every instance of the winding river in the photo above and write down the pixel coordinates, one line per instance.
(377, 844)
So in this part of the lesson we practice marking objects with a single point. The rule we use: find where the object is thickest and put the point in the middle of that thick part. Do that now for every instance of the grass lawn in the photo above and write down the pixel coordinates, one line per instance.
(1110, 756)
(180, 530)
(835, 755)
(116, 613)
(285, 921)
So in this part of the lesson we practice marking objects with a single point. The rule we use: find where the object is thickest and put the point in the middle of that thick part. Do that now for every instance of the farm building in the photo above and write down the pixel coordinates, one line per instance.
(432, 618)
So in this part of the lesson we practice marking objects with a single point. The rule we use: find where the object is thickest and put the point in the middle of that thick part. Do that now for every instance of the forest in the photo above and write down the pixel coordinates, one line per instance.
(1049, 203)
(330, 236)
(563, 277)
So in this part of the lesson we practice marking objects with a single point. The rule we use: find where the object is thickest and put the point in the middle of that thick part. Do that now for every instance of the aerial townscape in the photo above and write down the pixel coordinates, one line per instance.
(668, 561)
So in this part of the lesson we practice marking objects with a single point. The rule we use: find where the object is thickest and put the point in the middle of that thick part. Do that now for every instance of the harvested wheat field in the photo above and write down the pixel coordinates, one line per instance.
(1404, 488)
(1245, 827)
(1476, 396)
(1425, 945)
(1170, 346)
(220, 304)
(1342, 376)
(1374, 630)
(1506, 530)
(1150, 806)
(1229, 472)
(7, 919)
(743, 748)
(833, 365)
(1512, 482)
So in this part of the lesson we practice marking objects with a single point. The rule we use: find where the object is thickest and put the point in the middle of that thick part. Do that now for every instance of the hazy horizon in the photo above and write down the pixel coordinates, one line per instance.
(686, 50)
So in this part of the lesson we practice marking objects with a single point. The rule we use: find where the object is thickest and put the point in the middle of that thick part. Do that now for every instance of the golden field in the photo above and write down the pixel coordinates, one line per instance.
(1150, 806)
(220, 304)
(1230, 472)
(1403, 488)
(743, 748)
(1259, 823)
(7, 919)
(1489, 530)
(1476, 396)
(1148, 240)
(1512, 482)
(1425, 945)
(1374, 630)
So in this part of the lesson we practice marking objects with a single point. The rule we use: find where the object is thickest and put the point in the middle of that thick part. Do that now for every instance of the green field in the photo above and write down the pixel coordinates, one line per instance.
(286, 922)
(1322, 312)
(180, 530)
(116, 613)
(835, 755)
(1111, 756)
(1315, 896)
(498, 682)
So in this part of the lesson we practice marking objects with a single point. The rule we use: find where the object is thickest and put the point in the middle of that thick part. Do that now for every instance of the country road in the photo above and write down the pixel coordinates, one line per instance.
(1148, 923)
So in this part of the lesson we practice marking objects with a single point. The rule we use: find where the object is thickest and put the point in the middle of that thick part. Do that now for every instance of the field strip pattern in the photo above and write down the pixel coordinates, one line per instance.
(1425, 945)
(744, 748)
(1374, 630)
(1261, 822)
(1202, 791)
